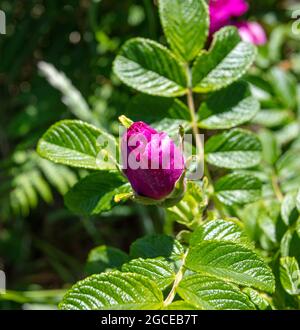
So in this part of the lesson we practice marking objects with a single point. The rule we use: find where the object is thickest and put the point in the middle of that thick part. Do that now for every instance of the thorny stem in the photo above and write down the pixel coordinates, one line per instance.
(176, 282)
(196, 133)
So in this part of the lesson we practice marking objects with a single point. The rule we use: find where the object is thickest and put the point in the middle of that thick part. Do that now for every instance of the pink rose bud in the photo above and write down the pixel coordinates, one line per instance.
(151, 161)
(252, 32)
(222, 11)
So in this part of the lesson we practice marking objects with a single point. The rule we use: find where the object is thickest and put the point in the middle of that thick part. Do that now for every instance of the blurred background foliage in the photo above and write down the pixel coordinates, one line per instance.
(42, 245)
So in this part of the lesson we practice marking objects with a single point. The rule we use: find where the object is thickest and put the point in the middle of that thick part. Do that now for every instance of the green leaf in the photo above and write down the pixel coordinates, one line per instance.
(113, 291)
(71, 97)
(75, 143)
(235, 149)
(290, 242)
(270, 147)
(105, 258)
(287, 133)
(288, 165)
(158, 270)
(189, 210)
(290, 275)
(231, 261)
(150, 68)
(289, 212)
(276, 41)
(95, 193)
(272, 117)
(238, 188)
(257, 299)
(229, 107)
(298, 227)
(60, 176)
(158, 108)
(227, 60)
(153, 246)
(219, 230)
(268, 226)
(298, 201)
(284, 85)
(186, 25)
(180, 305)
(209, 293)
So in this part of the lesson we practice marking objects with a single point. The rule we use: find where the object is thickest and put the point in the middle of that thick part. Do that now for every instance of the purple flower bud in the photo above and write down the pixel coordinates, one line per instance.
(222, 11)
(151, 161)
(252, 32)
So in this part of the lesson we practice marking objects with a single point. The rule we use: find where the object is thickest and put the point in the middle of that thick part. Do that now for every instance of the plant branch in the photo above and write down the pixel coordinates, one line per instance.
(176, 282)
(276, 188)
(199, 143)
(191, 105)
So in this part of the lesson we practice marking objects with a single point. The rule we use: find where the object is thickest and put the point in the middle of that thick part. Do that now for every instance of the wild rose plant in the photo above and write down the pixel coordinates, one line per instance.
(204, 259)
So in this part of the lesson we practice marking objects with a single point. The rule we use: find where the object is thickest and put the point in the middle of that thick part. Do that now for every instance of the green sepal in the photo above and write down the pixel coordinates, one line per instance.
(172, 199)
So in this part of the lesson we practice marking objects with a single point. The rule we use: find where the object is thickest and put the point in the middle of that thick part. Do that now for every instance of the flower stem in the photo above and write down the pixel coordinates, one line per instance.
(199, 143)
(176, 282)
(191, 105)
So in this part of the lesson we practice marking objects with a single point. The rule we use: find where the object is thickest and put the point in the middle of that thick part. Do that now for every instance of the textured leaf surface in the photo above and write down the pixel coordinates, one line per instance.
(104, 258)
(185, 24)
(272, 118)
(209, 293)
(95, 193)
(232, 262)
(75, 143)
(290, 275)
(287, 133)
(270, 147)
(180, 305)
(150, 68)
(219, 230)
(157, 270)
(235, 149)
(288, 164)
(258, 299)
(227, 60)
(154, 246)
(289, 245)
(113, 291)
(238, 188)
(289, 212)
(284, 85)
(229, 107)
